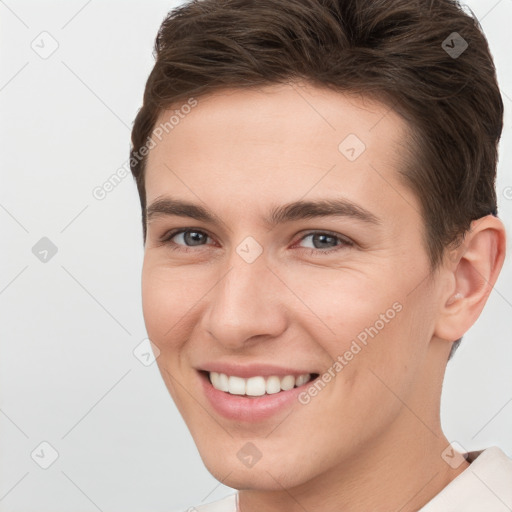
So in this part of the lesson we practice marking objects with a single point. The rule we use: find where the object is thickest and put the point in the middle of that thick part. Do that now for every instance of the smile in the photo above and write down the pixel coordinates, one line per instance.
(256, 386)
(255, 398)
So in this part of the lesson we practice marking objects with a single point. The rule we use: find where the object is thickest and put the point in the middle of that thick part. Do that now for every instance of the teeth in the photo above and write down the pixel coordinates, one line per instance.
(287, 382)
(273, 385)
(236, 385)
(302, 379)
(256, 386)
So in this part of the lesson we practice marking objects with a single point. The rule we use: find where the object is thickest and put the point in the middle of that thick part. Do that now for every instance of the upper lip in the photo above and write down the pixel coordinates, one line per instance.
(252, 370)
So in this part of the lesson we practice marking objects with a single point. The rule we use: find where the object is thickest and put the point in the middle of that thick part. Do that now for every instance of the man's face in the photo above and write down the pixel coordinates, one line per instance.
(294, 296)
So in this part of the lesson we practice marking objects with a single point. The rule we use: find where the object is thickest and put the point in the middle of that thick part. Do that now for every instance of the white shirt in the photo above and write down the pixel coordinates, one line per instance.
(484, 486)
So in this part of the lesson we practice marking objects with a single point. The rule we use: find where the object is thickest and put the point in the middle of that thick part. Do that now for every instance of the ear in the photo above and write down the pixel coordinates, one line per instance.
(472, 270)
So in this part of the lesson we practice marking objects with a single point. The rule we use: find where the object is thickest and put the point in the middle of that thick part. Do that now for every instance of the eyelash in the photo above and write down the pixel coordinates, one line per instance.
(345, 242)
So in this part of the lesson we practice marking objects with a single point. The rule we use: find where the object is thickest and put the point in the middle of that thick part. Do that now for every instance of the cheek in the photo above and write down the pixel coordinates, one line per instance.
(346, 305)
(367, 326)
(167, 298)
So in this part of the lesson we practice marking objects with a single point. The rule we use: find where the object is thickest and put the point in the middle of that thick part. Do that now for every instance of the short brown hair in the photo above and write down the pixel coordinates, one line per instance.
(396, 51)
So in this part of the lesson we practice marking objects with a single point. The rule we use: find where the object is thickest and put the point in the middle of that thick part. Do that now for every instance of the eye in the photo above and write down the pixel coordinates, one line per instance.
(184, 236)
(325, 240)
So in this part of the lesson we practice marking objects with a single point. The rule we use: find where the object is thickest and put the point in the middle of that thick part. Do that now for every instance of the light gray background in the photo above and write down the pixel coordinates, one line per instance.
(69, 326)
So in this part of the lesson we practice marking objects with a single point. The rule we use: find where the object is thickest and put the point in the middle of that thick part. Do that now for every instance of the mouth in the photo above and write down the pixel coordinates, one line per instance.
(253, 392)
(256, 386)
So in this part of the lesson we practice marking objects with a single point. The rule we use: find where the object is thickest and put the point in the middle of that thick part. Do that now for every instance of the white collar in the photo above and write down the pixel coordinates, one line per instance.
(484, 486)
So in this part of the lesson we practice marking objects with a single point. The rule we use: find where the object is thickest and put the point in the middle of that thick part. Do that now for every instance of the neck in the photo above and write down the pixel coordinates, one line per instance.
(404, 477)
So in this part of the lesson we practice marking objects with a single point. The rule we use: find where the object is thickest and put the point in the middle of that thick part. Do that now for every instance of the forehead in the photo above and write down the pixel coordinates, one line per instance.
(279, 142)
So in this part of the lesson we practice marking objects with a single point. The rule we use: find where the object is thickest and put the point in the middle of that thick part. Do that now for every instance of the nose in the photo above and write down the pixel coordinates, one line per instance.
(246, 306)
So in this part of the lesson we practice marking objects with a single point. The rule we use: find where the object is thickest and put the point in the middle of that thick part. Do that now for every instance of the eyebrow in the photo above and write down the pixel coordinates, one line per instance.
(296, 210)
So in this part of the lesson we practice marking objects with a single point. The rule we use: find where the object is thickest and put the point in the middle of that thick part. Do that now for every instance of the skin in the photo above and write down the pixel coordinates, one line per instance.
(371, 439)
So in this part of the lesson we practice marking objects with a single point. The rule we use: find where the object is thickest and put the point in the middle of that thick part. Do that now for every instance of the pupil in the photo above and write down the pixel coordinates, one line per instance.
(193, 236)
(323, 237)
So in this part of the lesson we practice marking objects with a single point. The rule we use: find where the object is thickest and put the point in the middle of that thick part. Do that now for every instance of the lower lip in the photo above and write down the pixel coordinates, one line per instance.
(250, 409)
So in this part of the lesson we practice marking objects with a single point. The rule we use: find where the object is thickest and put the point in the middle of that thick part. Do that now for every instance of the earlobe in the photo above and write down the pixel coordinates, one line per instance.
(473, 273)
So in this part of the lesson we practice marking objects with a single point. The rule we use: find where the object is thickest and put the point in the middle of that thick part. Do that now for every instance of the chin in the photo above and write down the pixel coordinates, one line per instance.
(267, 474)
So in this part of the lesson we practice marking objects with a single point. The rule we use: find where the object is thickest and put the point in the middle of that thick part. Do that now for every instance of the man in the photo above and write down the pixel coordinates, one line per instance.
(320, 225)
